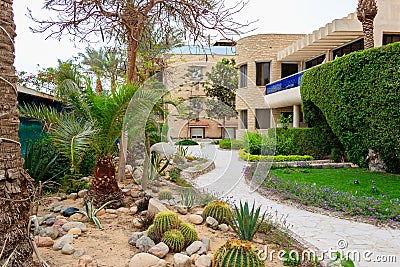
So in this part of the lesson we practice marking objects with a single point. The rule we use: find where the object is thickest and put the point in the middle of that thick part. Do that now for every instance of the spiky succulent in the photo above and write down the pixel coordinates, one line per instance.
(165, 194)
(237, 253)
(174, 239)
(164, 221)
(150, 232)
(189, 233)
(219, 210)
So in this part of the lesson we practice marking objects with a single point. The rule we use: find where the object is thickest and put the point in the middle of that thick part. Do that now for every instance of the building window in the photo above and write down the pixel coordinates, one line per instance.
(243, 119)
(315, 61)
(289, 69)
(263, 119)
(347, 49)
(262, 73)
(197, 133)
(243, 76)
(390, 38)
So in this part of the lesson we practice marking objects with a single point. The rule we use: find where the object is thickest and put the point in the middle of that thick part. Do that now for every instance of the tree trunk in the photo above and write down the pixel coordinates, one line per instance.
(131, 75)
(123, 147)
(113, 84)
(99, 86)
(368, 29)
(104, 185)
(14, 182)
(146, 163)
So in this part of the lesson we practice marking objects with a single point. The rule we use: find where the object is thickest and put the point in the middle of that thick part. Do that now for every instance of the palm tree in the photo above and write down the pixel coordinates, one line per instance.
(366, 12)
(93, 121)
(95, 60)
(14, 182)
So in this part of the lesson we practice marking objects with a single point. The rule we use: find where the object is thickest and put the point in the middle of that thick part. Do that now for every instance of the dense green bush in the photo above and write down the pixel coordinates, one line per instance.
(231, 144)
(305, 141)
(278, 158)
(186, 142)
(258, 144)
(359, 95)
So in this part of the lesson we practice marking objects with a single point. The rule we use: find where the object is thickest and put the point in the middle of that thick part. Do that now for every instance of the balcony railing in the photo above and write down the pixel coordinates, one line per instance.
(284, 84)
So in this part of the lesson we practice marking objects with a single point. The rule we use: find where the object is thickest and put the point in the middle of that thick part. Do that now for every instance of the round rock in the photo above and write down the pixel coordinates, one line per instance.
(195, 219)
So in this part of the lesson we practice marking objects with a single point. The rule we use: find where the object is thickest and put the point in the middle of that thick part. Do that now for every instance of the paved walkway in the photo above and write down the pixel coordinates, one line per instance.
(323, 232)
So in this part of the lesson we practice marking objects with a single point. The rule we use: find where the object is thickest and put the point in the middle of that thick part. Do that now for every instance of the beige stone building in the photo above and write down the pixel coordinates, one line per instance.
(271, 65)
(188, 65)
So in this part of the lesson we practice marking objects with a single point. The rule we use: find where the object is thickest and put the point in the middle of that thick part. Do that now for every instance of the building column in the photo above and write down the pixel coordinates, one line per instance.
(296, 116)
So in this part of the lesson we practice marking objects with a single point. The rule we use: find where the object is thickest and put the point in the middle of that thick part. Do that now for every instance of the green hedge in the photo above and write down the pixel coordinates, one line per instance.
(186, 142)
(231, 144)
(316, 142)
(279, 158)
(359, 95)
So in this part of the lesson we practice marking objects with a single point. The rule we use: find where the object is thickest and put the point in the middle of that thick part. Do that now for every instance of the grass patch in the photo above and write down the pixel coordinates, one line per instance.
(344, 180)
(231, 144)
(376, 197)
(278, 158)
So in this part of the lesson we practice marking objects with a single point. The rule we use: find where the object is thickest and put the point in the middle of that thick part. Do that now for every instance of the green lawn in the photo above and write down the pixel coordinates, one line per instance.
(343, 180)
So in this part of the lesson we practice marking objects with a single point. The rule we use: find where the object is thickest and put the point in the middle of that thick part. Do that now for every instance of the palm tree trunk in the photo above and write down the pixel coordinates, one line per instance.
(368, 29)
(14, 182)
(104, 186)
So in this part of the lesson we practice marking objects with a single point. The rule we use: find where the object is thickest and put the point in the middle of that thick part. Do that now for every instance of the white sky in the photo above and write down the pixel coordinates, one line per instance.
(274, 16)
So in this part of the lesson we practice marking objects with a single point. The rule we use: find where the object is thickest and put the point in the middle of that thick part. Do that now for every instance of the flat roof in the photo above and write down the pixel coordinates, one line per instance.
(203, 50)
(332, 35)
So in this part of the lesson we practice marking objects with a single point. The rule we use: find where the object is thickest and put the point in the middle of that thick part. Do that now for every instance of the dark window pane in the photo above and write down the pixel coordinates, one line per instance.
(289, 69)
(262, 73)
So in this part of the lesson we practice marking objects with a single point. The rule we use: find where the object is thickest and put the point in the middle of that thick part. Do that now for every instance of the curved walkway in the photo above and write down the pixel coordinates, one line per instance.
(323, 232)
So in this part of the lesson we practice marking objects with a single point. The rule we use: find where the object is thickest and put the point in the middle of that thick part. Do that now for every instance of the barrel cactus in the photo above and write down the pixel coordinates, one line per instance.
(150, 232)
(165, 194)
(189, 233)
(237, 253)
(219, 210)
(164, 221)
(174, 239)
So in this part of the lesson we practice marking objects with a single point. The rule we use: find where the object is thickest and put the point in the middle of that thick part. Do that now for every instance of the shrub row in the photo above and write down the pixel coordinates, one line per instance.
(186, 142)
(231, 144)
(279, 158)
(359, 95)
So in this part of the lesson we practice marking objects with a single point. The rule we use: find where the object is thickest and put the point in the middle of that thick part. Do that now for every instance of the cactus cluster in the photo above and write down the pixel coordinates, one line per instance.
(219, 210)
(237, 253)
(164, 221)
(165, 194)
(170, 229)
(189, 233)
(174, 239)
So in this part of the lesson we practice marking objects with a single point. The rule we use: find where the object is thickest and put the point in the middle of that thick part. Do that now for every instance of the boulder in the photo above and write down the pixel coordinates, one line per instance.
(69, 211)
(146, 260)
(82, 193)
(155, 206)
(196, 219)
(159, 250)
(133, 210)
(181, 260)
(67, 249)
(223, 227)
(75, 231)
(60, 243)
(203, 261)
(84, 260)
(69, 225)
(51, 232)
(43, 241)
(144, 243)
(206, 241)
(194, 247)
(135, 236)
(73, 196)
(182, 210)
(78, 253)
(211, 222)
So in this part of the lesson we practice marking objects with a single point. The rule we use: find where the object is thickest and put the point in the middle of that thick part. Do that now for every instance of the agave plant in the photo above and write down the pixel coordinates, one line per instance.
(91, 212)
(188, 199)
(245, 222)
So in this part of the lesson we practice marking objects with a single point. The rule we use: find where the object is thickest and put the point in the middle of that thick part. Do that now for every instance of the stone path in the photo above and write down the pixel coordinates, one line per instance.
(375, 246)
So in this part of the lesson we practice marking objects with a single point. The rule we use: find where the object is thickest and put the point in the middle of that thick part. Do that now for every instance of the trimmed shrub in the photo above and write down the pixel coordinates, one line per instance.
(231, 144)
(305, 141)
(279, 158)
(186, 142)
(359, 95)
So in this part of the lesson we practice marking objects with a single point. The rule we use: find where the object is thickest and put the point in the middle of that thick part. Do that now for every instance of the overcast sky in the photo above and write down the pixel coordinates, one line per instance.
(274, 16)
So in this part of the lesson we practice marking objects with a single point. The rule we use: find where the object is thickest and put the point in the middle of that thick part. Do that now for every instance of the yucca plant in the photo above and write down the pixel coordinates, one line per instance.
(187, 199)
(237, 253)
(245, 222)
(174, 240)
(165, 221)
(155, 165)
(219, 210)
(90, 212)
